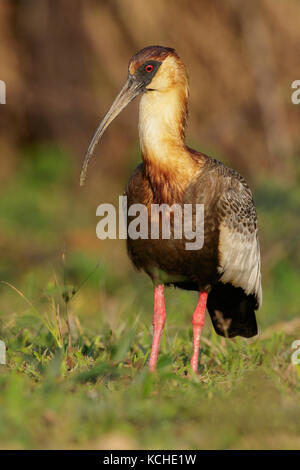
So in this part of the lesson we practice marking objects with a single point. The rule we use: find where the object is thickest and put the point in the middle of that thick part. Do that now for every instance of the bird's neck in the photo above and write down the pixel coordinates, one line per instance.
(162, 123)
(167, 162)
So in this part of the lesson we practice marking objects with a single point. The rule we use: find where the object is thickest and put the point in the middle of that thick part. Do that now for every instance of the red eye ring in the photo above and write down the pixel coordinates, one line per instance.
(149, 68)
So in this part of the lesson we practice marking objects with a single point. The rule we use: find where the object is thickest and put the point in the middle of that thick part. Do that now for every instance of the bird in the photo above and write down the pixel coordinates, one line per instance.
(225, 271)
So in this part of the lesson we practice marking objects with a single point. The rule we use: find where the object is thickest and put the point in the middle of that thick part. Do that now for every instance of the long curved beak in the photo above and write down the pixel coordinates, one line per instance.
(130, 90)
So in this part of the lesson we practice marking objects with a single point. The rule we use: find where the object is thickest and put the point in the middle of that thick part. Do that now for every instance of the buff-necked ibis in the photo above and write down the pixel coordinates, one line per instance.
(226, 270)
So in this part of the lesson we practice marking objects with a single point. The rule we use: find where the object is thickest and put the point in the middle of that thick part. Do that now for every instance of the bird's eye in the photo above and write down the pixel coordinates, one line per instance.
(149, 68)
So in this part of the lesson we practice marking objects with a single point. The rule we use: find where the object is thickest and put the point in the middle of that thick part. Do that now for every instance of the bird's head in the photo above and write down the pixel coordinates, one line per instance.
(156, 68)
(152, 69)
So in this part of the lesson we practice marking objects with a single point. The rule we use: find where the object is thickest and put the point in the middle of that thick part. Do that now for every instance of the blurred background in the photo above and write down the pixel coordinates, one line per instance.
(63, 63)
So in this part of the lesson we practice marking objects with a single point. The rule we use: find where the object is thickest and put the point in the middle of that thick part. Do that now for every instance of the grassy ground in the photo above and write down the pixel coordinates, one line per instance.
(95, 391)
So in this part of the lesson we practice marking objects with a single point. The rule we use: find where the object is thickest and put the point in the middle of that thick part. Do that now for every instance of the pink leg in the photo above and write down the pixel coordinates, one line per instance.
(159, 319)
(198, 322)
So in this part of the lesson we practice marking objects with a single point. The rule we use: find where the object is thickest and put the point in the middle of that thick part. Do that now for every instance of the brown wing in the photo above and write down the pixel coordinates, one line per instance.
(239, 252)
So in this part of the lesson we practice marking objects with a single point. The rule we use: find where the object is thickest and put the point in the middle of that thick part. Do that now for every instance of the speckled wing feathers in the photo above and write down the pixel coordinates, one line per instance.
(239, 252)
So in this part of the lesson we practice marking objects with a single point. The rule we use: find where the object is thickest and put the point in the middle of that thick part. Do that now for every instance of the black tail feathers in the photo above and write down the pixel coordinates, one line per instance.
(232, 311)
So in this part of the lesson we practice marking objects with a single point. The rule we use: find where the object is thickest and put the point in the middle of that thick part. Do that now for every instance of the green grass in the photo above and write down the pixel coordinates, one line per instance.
(95, 391)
